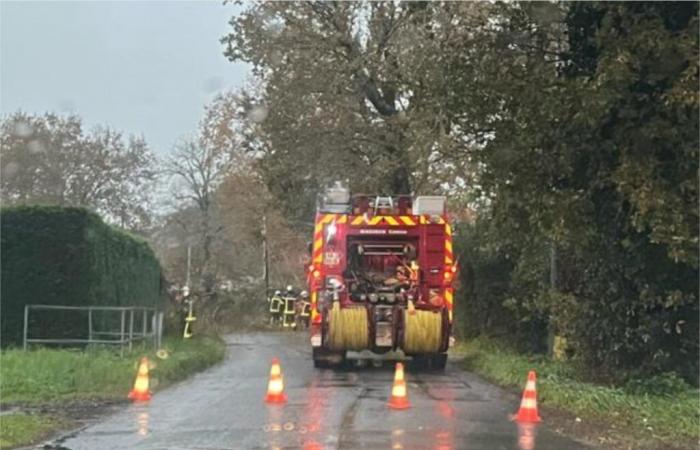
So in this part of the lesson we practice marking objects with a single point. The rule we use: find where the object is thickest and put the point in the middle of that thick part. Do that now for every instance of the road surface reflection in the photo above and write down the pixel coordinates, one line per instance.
(527, 434)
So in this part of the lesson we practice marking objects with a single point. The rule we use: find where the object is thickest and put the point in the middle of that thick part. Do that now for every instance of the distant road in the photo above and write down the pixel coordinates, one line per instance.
(223, 408)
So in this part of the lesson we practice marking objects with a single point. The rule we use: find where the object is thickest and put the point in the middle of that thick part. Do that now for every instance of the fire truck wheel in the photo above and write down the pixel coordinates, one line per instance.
(325, 358)
(438, 362)
(430, 362)
(420, 362)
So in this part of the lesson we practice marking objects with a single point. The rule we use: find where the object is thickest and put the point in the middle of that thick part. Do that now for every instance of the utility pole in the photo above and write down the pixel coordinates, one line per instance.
(551, 337)
(266, 265)
(553, 266)
(189, 263)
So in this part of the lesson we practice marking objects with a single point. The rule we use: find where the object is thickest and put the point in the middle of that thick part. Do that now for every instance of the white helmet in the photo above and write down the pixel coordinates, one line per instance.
(289, 287)
(277, 292)
(304, 294)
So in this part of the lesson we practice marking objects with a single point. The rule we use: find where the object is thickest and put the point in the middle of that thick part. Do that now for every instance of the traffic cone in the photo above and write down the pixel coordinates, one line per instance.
(528, 406)
(140, 392)
(399, 398)
(275, 387)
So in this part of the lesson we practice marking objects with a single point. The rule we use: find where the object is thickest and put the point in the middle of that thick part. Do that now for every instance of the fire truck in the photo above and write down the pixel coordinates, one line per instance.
(381, 277)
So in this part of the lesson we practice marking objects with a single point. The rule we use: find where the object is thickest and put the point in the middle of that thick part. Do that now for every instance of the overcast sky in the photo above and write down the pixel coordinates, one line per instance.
(141, 67)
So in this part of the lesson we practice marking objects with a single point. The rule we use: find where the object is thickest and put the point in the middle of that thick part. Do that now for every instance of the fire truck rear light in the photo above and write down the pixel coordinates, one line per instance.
(317, 274)
(316, 340)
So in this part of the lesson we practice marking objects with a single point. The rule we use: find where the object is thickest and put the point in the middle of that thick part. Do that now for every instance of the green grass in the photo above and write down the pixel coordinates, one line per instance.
(656, 408)
(45, 376)
(22, 429)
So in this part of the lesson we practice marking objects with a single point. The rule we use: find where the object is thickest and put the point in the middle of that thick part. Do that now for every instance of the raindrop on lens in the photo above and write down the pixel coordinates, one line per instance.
(10, 169)
(35, 147)
(258, 113)
(22, 129)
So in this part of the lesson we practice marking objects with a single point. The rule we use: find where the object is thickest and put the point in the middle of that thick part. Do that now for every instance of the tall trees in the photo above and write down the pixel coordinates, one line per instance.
(221, 203)
(595, 151)
(197, 169)
(49, 159)
(573, 128)
(344, 89)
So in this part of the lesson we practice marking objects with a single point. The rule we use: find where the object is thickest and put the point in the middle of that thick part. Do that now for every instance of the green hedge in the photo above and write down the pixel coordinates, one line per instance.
(68, 256)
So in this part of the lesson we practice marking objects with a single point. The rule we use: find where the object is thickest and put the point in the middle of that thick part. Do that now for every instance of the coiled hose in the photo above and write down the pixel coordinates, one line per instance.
(422, 331)
(348, 328)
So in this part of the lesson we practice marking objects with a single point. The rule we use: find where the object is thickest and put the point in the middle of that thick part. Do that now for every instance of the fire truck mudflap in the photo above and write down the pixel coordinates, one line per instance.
(381, 277)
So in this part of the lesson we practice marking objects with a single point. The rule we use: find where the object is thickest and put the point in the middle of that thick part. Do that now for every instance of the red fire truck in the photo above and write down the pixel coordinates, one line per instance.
(381, 277)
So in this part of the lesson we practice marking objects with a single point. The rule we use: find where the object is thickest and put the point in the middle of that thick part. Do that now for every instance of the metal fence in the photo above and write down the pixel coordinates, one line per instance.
(151, 326)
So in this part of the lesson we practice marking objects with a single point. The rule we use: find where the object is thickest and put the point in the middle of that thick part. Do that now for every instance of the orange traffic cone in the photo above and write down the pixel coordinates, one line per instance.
(528, 406)
(399, 398)
(275, 387)
(140, 392)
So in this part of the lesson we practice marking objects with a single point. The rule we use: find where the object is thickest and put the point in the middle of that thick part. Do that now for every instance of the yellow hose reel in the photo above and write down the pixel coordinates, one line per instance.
(348, 328)
(422, 331)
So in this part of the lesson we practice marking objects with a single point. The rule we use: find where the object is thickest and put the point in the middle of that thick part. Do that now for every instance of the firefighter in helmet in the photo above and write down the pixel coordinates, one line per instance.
(276, 304)
(289, 300)
(302, 310)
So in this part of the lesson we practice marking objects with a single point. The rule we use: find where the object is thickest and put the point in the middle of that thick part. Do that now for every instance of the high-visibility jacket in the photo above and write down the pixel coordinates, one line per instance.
(305, 308)
(289, 305)
(276, 304)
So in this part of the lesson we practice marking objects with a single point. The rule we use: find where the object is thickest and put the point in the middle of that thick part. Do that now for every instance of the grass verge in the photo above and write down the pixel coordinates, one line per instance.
(20, 429)
(656, 409)
(45, 376)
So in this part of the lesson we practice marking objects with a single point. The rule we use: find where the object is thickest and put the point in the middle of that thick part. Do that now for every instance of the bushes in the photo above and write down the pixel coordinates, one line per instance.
(662, 408)
(625, 308)
(603, 170)
(68, 256)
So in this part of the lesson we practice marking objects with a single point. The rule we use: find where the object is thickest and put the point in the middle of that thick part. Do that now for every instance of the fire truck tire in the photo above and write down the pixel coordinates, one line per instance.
(325, 358)
(420, 362)
(320, 361)
(438, 362)
(435, 362)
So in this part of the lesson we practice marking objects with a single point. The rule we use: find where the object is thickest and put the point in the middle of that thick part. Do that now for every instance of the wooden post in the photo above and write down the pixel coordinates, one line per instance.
(90, 324)
(131, 328)
(145, 326)
(121, 336)
(159, 329)
(26, 326)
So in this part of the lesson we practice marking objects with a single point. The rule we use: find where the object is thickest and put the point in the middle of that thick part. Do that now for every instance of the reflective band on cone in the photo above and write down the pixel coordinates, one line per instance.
(140, 392)
(528, 405)
(275, 387)
(275, 368)
(399, 396)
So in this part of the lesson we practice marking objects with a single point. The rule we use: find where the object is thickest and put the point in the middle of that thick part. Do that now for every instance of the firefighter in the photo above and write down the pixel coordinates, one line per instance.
(276, 303)
(189, 317)
(302, 310)
(288, 307)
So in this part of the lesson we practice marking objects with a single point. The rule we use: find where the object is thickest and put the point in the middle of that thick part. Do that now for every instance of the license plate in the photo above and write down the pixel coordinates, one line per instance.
(383, 337)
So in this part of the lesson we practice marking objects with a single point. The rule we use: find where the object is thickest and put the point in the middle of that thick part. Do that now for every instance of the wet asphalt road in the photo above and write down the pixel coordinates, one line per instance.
(223, 408)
